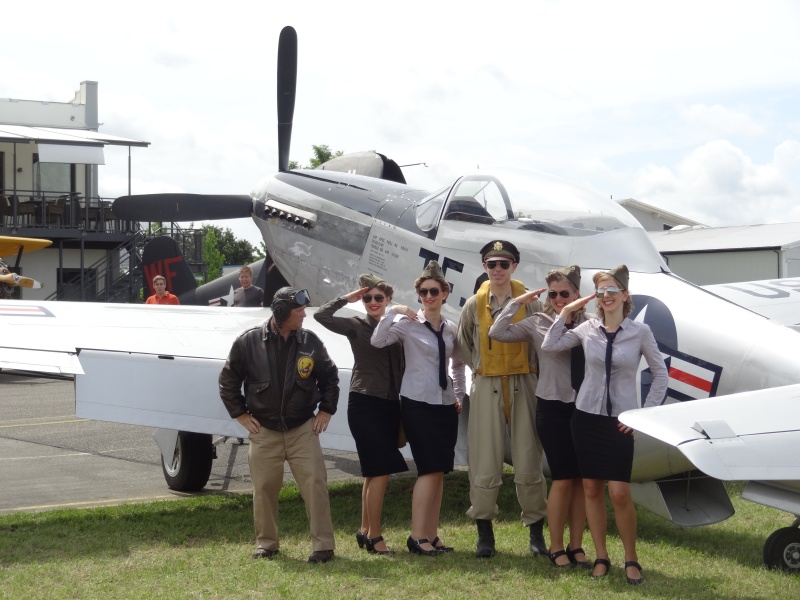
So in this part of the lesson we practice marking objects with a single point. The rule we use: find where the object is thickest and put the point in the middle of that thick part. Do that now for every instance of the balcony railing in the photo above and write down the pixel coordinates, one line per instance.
(57, 210)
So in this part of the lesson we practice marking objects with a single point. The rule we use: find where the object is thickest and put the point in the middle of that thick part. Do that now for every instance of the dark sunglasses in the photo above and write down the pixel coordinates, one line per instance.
(369, 297)
(432, 291)
(563, 293)
(504, 264)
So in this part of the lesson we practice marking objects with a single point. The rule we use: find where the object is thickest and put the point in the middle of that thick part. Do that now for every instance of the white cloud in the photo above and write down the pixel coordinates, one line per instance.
(717, 121)
(719, 184)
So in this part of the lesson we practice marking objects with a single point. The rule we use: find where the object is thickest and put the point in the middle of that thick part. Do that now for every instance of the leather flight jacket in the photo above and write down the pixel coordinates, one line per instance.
(311, 378)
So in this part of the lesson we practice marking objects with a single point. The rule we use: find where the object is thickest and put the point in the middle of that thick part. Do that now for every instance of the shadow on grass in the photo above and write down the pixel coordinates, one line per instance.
(227, 519)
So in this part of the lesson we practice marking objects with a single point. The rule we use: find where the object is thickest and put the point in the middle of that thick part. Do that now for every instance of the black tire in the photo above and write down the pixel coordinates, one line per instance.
(782, 550)
(190, 466)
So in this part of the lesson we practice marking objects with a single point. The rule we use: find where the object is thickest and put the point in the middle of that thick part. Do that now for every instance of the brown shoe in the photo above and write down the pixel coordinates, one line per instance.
(264, 553)
(321, 556)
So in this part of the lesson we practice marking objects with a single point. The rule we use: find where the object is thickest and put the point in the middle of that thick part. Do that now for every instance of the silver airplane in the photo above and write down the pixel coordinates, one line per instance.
(323, 227)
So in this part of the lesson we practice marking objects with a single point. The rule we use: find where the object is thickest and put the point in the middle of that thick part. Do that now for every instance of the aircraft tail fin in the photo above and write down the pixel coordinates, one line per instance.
(162, 256)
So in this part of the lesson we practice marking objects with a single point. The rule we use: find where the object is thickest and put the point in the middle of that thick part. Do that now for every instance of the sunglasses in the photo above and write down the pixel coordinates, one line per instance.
(611, 291)
(368, 298)
(563, 293)
(504, 264)
(432, 291)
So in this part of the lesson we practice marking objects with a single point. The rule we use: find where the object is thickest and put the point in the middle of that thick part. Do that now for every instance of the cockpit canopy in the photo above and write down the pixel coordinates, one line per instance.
(523, 200)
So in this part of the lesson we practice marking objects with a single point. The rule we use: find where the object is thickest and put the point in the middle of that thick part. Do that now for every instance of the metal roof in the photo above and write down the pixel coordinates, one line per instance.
(743, 237)
(57, 135)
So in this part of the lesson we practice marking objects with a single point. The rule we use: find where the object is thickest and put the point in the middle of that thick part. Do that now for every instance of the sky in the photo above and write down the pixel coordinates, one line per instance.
(693, 107)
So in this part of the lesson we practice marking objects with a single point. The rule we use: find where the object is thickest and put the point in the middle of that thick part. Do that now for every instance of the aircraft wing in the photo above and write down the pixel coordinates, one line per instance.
(156, 366)
(745, 436)
(776, 299)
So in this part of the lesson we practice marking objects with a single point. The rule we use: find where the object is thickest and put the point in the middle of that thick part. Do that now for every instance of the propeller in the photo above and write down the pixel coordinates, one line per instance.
(18, 280)
(208, 207)
(287, 86)
(182, 207)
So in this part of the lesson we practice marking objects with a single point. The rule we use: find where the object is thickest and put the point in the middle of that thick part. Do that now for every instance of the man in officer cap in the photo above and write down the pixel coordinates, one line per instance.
(282, 368)
(502, 402)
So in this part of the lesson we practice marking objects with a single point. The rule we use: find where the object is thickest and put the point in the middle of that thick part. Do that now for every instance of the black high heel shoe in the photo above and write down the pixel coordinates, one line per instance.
(631, 580)
(604, 562)
(414, 547)
(583, 564)
(441, 548)
(371, 546)
(361, 539)
(553, 556)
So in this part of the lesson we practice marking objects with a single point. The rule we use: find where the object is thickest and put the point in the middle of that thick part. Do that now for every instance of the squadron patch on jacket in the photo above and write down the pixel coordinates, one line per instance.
(305, 364)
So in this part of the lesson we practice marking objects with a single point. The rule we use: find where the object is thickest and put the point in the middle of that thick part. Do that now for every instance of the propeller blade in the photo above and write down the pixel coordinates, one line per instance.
(182, 207)
(26, 282)
(287, 85)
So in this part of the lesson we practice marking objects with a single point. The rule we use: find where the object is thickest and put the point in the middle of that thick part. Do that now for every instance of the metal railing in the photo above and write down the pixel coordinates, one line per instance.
(29, 208)
(118, 276)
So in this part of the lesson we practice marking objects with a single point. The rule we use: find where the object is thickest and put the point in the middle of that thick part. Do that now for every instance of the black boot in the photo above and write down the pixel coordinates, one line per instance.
(538, 546)
(485, 539)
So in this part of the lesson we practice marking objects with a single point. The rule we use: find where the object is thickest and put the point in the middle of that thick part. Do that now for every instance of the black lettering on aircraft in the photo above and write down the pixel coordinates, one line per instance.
(773, 293)
(447, 263)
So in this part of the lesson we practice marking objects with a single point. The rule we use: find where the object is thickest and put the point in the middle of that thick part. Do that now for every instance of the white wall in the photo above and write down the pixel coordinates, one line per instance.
(42, 265)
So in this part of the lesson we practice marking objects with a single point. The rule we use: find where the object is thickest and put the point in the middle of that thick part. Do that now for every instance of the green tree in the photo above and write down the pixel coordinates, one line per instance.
(322, 154)
(234, 251)
(212, 256)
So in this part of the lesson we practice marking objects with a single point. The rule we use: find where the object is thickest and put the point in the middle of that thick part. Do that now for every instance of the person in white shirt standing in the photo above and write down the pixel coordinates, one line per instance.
(430, 400)
(614, 346)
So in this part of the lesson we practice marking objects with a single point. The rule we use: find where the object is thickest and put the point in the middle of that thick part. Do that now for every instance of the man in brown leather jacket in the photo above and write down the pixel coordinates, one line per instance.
(286, 373)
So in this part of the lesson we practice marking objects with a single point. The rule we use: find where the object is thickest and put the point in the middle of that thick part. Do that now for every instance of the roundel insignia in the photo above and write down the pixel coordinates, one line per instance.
(305, 365)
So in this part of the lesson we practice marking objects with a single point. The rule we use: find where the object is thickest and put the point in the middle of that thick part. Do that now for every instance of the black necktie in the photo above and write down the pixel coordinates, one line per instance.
(577, 364)
(442, 368)
(610, 339)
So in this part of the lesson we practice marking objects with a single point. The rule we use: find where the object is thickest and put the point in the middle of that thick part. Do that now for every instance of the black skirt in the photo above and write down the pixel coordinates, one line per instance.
(375, 424)
(604, 452)
(432, 431)
(553, 424)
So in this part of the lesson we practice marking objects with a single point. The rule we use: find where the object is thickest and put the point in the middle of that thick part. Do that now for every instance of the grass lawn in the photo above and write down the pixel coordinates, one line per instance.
(200, 548)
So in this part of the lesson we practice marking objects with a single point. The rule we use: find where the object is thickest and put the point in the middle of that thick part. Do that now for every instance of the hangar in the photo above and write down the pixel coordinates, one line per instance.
(711, 255)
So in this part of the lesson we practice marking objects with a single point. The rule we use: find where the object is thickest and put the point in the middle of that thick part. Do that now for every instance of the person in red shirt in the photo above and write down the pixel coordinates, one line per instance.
(162, 296)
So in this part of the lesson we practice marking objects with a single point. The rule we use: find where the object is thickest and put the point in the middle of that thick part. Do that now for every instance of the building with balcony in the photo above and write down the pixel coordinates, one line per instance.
(49, 158)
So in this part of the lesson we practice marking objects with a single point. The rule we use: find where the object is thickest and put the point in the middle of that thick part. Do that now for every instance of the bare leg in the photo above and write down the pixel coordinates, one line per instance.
(436, 509)
(374, 503)
(577, 516)
(625, 516)
(426, 490)
(595, 493)
(364, 509)
(558, 504)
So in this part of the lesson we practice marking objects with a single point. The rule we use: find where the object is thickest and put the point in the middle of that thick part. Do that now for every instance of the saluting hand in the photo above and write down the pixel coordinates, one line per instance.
(401, 309)
(570, 308)
(357, 295)
(529, 297)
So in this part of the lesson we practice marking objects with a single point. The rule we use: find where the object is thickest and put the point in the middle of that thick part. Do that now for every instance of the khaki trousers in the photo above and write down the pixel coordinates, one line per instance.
(300, 447)
(486, 438)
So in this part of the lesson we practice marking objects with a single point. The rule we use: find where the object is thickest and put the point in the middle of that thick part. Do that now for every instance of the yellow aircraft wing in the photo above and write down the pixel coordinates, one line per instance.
(10, 245)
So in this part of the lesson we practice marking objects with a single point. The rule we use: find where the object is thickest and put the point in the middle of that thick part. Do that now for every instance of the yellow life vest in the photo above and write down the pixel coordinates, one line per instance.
(500, 358)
